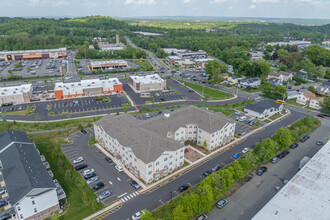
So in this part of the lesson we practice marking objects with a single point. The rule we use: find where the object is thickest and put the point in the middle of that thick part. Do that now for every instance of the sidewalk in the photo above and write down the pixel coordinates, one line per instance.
(103, 210)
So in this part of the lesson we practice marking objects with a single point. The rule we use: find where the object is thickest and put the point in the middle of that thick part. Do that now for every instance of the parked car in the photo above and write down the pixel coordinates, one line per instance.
(285, 181)
(320, 115)
(119, 168)
(3, 203)
(277, 188)
(286, 152)
(5, 216)
(78, 160)
(216, 168)
(98, 186)
(280, 156)
(83, 131)
(222, 203)
(206, 173)
(135, 184)
(326, 115)
(2, 191)
(105, 194)
(251, 123)
(80, 166)
(89, 175)
(147, 115)
(108, 159)
(137, 215)
(304, 139)
(202, 217)
(319, 143)
(235, 156)
(294, 146)
(92, 180)
(261, 170)
(88, 171)
(274, 160)
(242, 118)
(245, 150)
(183, 188)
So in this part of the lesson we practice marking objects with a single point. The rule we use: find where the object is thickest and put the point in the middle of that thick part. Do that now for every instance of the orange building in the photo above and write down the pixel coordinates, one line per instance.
(33, 54)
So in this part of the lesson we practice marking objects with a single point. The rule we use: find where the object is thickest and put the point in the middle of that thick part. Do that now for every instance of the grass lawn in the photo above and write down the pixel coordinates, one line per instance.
(145, 65)
(226, 112)
(29, 127)
(208, 92)
(274, 117)
(20, 112)
(258, 89)
(126, 105)
(293, 102)
(80, 197)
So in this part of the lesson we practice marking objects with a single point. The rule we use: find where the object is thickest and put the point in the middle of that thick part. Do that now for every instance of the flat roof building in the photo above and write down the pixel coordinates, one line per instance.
(91, 87)
(306, 195)
(192, 54)
(153, 148)
(108, 64)
(16, 94)
(147, 83)
(33, 54)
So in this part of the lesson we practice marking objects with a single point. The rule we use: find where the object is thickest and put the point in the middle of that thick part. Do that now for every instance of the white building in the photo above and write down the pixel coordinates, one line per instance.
(281, 75)
(30, 190)
(16, 94)
(292, 95)
(147, 83)
(263, 108)
(152, 148)
(109, 64)
(173, 51)
(306, 195)
(90, 87)
(309, 99)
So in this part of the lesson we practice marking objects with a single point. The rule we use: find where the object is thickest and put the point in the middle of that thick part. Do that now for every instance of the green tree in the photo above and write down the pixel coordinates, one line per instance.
(205, 144)
(147, 215)
(178, 213)
(327, 74)
(311, 89)
(36, 117)
(283, 137)
(326, 104)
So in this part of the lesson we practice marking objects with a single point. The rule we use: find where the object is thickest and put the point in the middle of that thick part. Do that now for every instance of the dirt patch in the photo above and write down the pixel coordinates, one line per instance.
(192, 155)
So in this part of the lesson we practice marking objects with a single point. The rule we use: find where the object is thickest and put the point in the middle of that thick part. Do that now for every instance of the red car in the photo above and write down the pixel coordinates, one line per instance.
(321, 116)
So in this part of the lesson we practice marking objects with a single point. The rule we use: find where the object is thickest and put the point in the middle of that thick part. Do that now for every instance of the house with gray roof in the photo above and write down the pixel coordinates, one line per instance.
(250, 82)
(30, 191)
(262, 109)
(153, 148)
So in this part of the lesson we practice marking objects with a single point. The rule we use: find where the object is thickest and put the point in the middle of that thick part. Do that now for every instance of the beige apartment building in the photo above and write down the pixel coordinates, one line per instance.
(153, 148)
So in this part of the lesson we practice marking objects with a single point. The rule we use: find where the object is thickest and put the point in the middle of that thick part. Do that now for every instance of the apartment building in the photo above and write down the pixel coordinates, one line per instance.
(30, 190)
(310, 99)
(33, 54)
(110, 64)
(91, 87)
(147, 83)
(153, 148)
(16, 94)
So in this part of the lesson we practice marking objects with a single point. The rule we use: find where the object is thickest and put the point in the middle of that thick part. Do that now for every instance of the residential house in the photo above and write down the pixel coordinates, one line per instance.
(275, 82)
(292, 95)
(310, 99)
(262, 109)
(324, 89)
(153, 148)
(250, 82)
(281, 75)
(233, 79)
(30, 190)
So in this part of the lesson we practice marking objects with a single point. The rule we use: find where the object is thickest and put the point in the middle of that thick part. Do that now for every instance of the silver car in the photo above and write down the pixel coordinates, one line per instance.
(92, 180)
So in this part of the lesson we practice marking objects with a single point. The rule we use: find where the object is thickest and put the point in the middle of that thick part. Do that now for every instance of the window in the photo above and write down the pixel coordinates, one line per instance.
(135, 159)
(171, 163)
(181, 157)
(21, 216)
(169, 134)
(200, 131)
(171, 156)
(150, 165)
(157, 176)
(18, 208)
(150, 172)
(157, 170)
(177, 134)
(212, 135)
(165, 172)
(157, 162)
(35, 210)
(33, 202)
(181, 150)
(165, 159)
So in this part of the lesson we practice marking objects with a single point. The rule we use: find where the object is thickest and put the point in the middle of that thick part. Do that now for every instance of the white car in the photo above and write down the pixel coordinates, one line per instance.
(119, 168)
(242, 118)
(137, 215)
(245, 150)
(78, 160)
(92, 180)
(88, 171)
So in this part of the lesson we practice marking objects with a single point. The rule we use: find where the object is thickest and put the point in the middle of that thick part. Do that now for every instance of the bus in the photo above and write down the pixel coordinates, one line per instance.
(280, 102)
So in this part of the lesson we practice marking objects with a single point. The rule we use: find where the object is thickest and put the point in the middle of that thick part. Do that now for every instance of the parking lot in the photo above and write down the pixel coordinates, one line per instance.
(158, 96)
(33, 68)
(116, 182)
(242, 127)
(185, 91)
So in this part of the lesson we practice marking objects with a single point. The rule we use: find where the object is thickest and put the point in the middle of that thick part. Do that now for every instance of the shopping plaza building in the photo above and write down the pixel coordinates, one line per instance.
(33, 54)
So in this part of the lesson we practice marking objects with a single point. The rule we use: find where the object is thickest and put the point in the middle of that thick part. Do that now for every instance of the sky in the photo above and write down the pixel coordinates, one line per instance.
(319, 9)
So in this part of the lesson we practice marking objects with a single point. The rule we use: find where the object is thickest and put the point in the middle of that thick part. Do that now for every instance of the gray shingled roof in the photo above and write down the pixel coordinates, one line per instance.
(148, 138)
(261, 106)
(22, 166)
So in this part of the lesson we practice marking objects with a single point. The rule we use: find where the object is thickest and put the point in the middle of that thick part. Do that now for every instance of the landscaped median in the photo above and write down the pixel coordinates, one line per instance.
(209, 93)
(202, 197)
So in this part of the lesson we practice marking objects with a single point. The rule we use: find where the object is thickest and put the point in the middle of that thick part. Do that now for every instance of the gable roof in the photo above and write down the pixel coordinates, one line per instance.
(311, 95)
(278, 74)
(261, 106)
(22, 167)
(148, 138)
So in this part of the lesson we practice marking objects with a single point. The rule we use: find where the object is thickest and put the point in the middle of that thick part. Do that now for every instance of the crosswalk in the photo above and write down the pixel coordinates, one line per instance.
(130, 196)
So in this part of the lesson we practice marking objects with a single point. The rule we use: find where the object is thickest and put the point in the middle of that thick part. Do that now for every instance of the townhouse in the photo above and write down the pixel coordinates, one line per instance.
(310, 99)
(151, 149)
(250, 82)
(30, 190)
(281, 76)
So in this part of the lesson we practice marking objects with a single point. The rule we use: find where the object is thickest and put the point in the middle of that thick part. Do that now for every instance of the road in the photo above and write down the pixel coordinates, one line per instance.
(253, 195)
(157, 198)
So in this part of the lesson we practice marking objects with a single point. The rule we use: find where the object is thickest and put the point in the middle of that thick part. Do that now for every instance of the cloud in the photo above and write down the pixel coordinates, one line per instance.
(252, 7)
(140, 2)
(187, 1)
(218, 1)
(265, 1)
(60, 3)
(50, 2)
(313, 2)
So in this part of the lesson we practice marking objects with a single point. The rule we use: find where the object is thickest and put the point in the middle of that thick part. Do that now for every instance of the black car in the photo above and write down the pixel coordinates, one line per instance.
(286, 152)
(183, 188)
(261, 170)
(98, 186)
(281, 155)
(206, 174)
(89, 175)
(83, 131)
(326, 115)
(108, 159)
(162, 99)
(294, 146)
(5, 216)
(304, 139)
(81, 166)
(135, 184)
